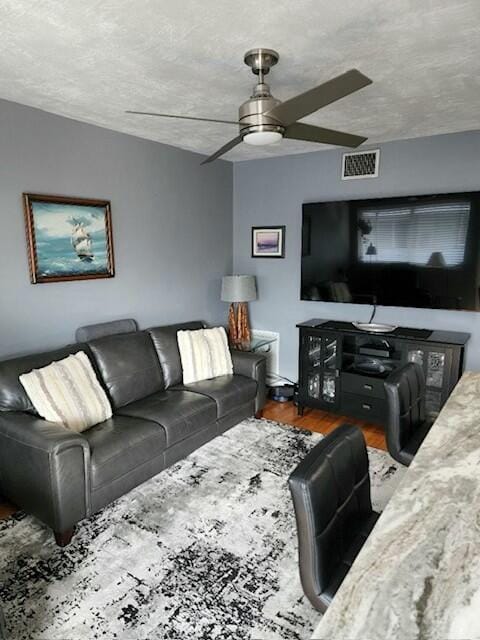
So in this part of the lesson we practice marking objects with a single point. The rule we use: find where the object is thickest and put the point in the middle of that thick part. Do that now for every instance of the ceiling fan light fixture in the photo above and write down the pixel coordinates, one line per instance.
(264, 120)
(261, 138)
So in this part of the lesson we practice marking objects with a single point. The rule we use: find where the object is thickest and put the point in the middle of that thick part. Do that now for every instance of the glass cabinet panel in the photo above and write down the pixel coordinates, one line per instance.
(314, 350)
(329, 387)
(436, 364)
(416, 355)
(321, 361)
(435, 369)
(313, 385)
(433, 402)
(330, 353)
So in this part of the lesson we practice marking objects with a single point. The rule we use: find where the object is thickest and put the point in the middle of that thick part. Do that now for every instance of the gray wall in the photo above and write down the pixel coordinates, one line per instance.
(172, 228)
(272, 191)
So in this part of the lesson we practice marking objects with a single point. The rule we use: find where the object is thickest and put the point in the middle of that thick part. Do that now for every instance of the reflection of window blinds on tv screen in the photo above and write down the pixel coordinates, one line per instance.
(403, 234)
(418, 251)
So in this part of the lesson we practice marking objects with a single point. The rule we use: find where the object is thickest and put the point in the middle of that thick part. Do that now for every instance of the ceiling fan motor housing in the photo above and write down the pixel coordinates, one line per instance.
(251, 114)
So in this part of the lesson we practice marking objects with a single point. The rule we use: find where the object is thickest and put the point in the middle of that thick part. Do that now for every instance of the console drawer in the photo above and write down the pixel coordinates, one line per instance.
(363, 385)
(364, 408)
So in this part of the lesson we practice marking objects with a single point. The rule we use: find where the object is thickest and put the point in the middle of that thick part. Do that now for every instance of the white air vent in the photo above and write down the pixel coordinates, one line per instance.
(360, 164)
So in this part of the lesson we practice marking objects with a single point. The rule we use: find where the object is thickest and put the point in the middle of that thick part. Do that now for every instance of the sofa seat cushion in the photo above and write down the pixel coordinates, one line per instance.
(121, 445)
(180, 413)
(228, 392)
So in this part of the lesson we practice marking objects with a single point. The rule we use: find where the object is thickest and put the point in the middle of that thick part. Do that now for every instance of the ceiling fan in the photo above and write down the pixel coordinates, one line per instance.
(265, 120)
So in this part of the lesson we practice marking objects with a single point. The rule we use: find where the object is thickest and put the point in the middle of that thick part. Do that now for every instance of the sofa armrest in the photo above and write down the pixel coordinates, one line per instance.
(252, 365)
(44, 469)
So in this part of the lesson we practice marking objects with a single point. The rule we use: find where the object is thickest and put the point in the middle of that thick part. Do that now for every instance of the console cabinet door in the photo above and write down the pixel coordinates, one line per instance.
(319, 364)
(437, 362)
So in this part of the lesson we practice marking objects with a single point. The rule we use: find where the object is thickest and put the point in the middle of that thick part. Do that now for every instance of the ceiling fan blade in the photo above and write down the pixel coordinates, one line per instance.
(305, 103)
(224, 149)
(169, 115)
(301, 131)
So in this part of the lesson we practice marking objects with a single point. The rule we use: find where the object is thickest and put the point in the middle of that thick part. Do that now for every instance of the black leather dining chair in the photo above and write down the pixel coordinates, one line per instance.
(3, 632)
(407, 424)
(331, 496)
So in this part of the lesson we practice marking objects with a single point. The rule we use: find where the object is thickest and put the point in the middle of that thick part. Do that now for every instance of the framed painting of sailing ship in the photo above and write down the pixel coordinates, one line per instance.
(68, 238)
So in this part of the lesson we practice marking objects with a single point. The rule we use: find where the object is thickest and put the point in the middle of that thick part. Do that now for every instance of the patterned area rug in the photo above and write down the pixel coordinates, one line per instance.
(206, 549)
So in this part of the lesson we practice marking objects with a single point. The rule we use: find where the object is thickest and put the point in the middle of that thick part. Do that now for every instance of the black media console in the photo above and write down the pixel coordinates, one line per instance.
(342, 368)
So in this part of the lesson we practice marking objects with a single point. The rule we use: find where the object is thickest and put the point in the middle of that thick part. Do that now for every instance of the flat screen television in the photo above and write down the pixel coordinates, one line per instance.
(416, 251)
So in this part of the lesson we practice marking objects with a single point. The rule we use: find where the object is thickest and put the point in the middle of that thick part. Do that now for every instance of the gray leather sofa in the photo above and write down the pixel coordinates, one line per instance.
(62, 477)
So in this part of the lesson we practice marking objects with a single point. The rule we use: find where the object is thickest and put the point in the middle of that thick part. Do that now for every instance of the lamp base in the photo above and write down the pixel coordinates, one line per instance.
(239, 333)
(232, 325)
(244, 335)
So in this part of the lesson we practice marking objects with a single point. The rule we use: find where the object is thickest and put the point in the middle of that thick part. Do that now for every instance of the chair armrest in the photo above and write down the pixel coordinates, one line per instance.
(252, 365)
(44, 469)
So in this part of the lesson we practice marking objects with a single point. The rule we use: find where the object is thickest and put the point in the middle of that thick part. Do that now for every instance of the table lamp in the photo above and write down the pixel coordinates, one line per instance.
(238, 290)
(436, 260)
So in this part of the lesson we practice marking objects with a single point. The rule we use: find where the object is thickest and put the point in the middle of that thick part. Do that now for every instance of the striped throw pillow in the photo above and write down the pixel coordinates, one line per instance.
(204, 354)
(68, 392)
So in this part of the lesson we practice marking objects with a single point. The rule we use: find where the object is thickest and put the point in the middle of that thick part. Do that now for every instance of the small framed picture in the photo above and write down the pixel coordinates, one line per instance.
(268, 242)
(68, 238)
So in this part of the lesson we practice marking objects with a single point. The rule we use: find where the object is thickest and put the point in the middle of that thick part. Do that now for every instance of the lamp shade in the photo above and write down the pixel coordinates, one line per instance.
(239, 288)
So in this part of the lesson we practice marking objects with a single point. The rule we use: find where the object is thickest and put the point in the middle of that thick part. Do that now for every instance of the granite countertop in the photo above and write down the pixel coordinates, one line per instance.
(418, 575)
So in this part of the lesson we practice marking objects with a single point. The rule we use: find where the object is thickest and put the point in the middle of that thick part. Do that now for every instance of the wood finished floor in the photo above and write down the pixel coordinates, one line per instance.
(313, 420)
(321, 421)
(6, 510)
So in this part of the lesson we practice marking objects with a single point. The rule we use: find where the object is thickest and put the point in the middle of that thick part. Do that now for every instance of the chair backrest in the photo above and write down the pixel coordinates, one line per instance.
(405, 391)
(3, 632)
(331, 495)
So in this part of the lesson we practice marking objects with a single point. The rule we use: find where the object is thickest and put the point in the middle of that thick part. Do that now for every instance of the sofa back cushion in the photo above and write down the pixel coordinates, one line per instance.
(128, 365)
(95, 331)
(13, 396)
(165, 341)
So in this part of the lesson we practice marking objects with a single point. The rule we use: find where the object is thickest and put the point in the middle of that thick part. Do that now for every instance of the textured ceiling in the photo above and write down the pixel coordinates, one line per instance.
(93, 59)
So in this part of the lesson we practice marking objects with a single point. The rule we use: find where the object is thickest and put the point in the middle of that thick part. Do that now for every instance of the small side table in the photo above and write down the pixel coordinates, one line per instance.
(257, 345)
